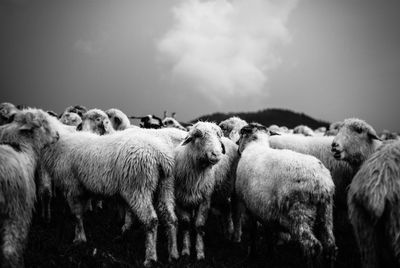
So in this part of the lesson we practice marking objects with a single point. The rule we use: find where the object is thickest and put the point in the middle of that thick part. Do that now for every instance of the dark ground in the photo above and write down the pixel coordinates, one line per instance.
(50, 245)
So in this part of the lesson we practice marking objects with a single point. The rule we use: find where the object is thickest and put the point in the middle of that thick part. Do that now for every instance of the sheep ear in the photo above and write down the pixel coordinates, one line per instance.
(187, 140)
(373, 136)
(273, 133)
(79, 127)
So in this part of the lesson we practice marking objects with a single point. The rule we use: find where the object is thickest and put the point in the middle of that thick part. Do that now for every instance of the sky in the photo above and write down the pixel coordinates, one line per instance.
(329, 59)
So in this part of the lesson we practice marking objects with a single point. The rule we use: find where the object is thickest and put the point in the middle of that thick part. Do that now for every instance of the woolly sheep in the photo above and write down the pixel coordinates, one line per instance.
(21, 143)
(134, 167)
(388, 135)
(302, 129)
(286, 188)
(195, 180)
(70, 119)
(96, 121)
(319, 147)
(119, 120)
(78, 109)
(374, 193)
(7, 110)
(333, 128)
(172, 122)
(231, 127)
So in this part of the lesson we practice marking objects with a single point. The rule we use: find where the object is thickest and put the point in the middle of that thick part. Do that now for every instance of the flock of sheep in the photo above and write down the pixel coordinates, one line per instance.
(292, 182)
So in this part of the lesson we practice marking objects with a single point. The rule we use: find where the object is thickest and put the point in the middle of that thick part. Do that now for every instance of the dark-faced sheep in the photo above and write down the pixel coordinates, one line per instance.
(70, 119)
(287, 189)
(21, 143)
(374, 193)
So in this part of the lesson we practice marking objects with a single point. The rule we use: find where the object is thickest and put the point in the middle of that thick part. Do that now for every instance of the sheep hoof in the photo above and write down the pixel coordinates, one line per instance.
(79, 240)
(150, 263)
(200, 256)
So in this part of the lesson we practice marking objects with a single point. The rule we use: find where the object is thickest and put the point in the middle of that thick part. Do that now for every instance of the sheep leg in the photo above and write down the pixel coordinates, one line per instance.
(253, 234)
(142, 206)
(226, 219)
(128, 221)
(201, 218)
(299, 222)
(238, 208)
(15, 232)
(184, 224)
(77, 208)
(366, 236)
(325, 231)
(166, 209)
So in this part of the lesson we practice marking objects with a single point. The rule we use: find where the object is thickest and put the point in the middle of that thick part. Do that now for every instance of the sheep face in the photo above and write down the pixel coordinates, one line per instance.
(206, 144)
(250, 133)
(96, 121)
(231, 127)
(354, 141)
(171, 122)
(7, 110)
(70, 119)
(78, 109)
(118, 119)
(29, 127)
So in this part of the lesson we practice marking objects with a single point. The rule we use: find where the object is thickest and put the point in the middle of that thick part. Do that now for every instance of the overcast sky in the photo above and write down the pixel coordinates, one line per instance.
(328, 59)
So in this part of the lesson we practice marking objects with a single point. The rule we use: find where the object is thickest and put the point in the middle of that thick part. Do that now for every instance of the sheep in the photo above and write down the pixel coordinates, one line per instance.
(78, 109)
(320, 147)
(374, 193)
(302, 129)
(231, 127)
(133, 167)
(96, 121)
(70, 119)
(7, 111)
(172, 122)
(388, 135)
(194, 173)
(333, 128)
(224, 169)
(149, 121)
(119, 120)
(21, 143)
(291, 190)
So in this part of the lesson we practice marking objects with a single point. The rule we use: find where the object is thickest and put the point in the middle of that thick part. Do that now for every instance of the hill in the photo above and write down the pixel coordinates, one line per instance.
(267, 117)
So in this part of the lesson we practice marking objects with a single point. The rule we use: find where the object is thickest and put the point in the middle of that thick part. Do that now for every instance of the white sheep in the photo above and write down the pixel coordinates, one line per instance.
(119, 120)
(78, 109)
(70, 119)
(304, 130)
(172, 122)
(231, 127)
(374, 193)
(195, 180)
(96, 121)
(134, 167)
(286, 188)
(7, 110)
(21, 143)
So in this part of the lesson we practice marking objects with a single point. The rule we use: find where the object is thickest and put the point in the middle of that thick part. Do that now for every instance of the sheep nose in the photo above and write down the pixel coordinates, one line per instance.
(334, 145)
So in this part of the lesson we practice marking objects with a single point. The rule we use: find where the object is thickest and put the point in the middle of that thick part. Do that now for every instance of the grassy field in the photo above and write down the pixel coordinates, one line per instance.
(50, 245)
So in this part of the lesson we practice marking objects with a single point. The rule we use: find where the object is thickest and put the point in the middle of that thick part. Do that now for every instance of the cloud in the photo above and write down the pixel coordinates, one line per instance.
(225, 48)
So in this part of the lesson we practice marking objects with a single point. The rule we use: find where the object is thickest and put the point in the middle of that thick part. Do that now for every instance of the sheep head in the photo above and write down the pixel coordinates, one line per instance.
(253, 132)
(29, 127)
(96, 121)
(70, 119)
(205, 143)
(354, 142)
(231, 127)
(7, 111)
(118, 119)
